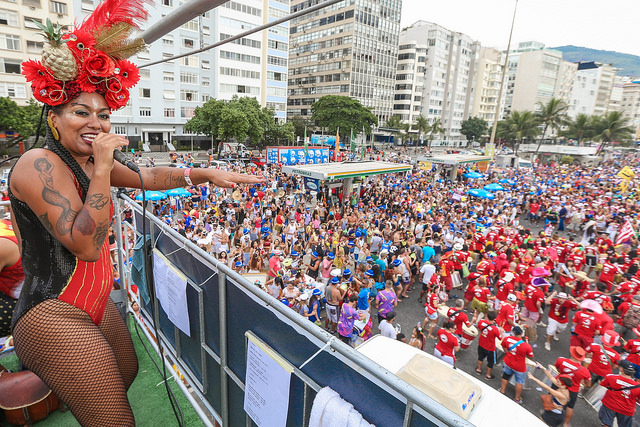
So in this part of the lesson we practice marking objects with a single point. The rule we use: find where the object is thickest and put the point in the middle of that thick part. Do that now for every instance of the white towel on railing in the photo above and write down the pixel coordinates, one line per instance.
(330, 410)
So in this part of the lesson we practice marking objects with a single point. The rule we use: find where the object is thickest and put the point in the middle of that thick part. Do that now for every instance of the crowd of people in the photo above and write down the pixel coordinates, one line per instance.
(543, 255)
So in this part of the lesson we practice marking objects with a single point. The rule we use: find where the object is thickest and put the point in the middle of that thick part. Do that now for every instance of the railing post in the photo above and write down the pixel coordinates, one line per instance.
(224, 385)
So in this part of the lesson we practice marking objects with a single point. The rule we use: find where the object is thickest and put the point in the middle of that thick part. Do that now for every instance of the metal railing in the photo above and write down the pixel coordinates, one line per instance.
(224, 307)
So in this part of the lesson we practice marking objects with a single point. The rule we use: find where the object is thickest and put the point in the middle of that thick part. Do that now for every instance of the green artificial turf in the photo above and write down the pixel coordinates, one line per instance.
(149, 402)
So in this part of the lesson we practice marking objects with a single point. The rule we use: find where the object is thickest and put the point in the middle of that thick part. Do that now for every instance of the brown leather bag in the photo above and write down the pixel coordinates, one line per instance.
(25, 399)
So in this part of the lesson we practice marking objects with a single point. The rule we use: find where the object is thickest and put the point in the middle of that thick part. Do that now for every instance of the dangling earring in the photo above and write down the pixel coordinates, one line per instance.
(54, 131)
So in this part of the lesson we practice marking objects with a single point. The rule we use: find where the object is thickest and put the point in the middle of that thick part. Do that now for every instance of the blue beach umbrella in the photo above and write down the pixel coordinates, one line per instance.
(482, 194)
(473, 175)
(507, 181)
(152, 195)
(178, 192)
(493, 187)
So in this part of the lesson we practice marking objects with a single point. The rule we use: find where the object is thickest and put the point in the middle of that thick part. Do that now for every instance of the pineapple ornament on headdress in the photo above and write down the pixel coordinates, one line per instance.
(92, 58)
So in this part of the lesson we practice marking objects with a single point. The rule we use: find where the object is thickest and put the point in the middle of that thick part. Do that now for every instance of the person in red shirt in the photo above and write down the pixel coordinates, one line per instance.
(507, 315)
(587, 325)
(481, 295)
(505, 287)
(632, 347)
(532, 310)
(458, 316)
(488, 332)
(447, 344)
(623, 309)
(516, 351)
(609, 270)
(559, 306)
(468, 293)
(431, 310)
(604, 358)
(619, 402)
(572, 366)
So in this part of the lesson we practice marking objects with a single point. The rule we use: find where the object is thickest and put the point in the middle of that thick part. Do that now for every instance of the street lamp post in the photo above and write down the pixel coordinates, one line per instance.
(504, 74)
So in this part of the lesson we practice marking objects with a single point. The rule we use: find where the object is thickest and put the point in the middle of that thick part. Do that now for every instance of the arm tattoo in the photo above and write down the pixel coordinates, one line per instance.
(53, 197)
(172, 181)
(44, 219)
(101, 234)
(97, 201)
(86, 225)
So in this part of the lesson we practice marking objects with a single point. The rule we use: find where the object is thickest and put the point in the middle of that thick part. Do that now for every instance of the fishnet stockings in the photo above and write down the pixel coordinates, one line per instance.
(89, 367)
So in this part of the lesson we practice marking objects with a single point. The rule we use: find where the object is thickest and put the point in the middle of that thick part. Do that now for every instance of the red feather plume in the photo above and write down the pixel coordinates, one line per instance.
(111, 12)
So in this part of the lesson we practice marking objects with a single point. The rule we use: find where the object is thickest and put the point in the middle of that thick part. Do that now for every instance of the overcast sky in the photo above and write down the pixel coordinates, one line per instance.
(598, 24)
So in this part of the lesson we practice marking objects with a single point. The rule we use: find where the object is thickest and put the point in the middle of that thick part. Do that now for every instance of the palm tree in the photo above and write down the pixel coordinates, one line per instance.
(553, 114)
(422, 126)
(436, 128)
(517, 126)
(404, 132)
(612, 127)
(579, 128)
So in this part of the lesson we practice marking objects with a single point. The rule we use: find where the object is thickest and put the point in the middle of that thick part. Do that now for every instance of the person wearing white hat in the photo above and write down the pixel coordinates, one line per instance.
(560, 305)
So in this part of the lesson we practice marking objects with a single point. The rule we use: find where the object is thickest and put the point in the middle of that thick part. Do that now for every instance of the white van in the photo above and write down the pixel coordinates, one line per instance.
(461, 393)
(524, 164)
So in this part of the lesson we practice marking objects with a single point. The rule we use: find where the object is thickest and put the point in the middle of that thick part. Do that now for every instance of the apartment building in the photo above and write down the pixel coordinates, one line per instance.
(409, 89)
(535, 75)
(19, 40)
(449, 75)
(630, 106)
(349, 48)
(592, 89)
(487, 85)
(168, 93)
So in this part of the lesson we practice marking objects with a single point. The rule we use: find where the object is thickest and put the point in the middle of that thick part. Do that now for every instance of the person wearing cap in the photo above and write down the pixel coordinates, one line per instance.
(313, 313)
(560, 305)
(275, 264)
(572, 367)
(516, 351)
(313, 266)
(382, 260)
(505, 286)
(237, 267)
(603, 356)
(334, 295)
(534, 297)
(326, 266)
(587, 325)
(619, 401)
(428, 253)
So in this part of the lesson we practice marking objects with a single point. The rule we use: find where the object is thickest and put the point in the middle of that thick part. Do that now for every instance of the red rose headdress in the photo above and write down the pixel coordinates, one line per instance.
(92, 58)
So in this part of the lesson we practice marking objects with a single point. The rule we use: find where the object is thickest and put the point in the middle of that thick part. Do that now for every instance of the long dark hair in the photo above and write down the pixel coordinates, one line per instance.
(64, 154)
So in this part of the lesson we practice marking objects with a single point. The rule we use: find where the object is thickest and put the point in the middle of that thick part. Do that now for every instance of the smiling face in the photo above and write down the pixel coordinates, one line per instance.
(80, 121)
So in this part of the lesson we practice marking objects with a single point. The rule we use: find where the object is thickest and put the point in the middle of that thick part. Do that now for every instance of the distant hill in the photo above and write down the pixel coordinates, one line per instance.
(629, 65)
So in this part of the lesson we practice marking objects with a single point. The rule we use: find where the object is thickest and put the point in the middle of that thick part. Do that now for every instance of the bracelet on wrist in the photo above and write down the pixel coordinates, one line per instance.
(187, 176)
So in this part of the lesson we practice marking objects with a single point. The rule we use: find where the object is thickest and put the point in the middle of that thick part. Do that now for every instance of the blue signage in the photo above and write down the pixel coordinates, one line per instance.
(296, 156)
(311, 184)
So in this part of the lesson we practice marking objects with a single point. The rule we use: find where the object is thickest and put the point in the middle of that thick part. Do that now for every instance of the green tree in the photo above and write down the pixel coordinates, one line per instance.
(579, 128)
(206, 119)
(277, 132)
(334, 111)
(473, 128)
(422, 126)
(405, 132)
(436, 128)
(31, 114)
(552, 114)
(610, 128)
(238, 118)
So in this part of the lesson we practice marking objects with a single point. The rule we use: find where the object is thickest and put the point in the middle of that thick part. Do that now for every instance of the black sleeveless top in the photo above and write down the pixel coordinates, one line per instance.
(51, 270)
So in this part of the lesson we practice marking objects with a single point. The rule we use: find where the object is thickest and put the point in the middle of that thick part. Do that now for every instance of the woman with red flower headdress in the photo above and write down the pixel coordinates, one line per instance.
(60, 196)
